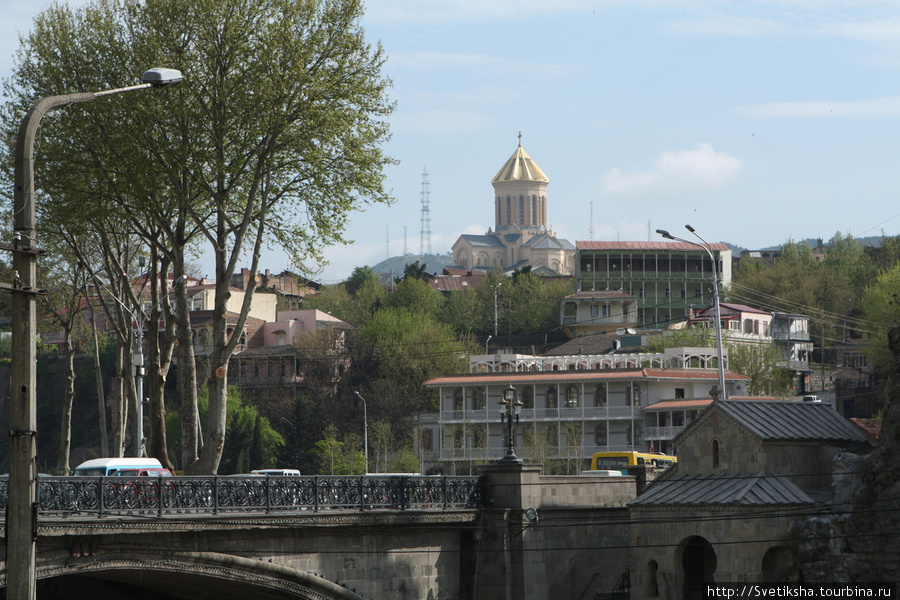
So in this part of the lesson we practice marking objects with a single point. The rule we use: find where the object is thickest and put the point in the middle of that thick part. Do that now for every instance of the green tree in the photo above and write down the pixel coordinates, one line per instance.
(275, 136)
(881, 311)
(360, 277)
(252, 442)
(394, 352)
(416, 295)
(328, 450)
(760, 364)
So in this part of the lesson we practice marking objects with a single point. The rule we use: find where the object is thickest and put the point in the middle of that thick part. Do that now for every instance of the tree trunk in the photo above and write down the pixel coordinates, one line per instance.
(101, 397)
(65, 425)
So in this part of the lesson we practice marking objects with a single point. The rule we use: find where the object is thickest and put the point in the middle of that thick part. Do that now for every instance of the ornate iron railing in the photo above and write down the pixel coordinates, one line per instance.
(60, 496)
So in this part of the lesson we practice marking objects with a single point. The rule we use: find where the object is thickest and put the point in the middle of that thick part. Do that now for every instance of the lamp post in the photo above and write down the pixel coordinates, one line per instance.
(20, 513)
(510, 406)
(715, 281)
(365, 430)
(496, 287)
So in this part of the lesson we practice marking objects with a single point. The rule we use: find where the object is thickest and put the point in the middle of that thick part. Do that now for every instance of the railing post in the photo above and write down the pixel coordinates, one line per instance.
(362, 492)
(159, 496)
(215, 494)
(100, 500)
(444, 490)
(268, 494)
(316, 493)
(403, 504)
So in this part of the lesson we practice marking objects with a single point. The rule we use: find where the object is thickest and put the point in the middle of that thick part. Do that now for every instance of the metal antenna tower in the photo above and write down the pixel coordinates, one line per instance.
(591, 228)
(425, 236)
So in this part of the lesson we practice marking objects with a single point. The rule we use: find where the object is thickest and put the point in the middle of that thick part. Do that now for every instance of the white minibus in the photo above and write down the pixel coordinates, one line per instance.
(109, 466)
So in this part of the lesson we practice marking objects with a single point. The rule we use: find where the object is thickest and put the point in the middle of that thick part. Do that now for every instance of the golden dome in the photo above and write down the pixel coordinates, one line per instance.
(520, 167)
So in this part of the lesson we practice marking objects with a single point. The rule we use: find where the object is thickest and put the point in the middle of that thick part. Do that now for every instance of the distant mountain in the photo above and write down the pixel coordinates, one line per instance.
(434, 263)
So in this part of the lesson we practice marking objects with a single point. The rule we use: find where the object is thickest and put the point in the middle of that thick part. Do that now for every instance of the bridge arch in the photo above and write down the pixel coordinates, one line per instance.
(177, 574)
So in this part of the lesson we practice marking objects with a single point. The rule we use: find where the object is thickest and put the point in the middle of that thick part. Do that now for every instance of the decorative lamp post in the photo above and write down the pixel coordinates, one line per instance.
(715, 282)
(510, 406)
(20, 536)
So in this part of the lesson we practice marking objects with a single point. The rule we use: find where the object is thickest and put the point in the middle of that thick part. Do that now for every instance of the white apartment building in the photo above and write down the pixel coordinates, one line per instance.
(575, 405)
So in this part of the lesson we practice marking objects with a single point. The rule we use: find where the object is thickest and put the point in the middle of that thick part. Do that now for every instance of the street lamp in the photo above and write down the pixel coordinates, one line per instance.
(496, 287)
(715, 281)
(21, 524)
(365, 430)
(510, 406)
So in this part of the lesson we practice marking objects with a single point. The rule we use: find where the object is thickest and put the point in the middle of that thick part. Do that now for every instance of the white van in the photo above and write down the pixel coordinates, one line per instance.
(109, 466)
(277, 472)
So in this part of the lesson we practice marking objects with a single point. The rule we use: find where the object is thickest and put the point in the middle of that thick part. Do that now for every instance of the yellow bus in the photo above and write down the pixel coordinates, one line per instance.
(623, 460)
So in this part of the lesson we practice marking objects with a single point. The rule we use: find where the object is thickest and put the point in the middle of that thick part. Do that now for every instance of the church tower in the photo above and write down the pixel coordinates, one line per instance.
(521, 236)
(520, 195)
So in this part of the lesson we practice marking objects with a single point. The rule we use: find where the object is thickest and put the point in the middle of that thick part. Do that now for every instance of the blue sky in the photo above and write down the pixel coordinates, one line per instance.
(755, 122)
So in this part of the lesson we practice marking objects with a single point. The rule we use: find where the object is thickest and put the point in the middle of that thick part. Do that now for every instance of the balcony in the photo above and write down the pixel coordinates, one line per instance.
(662, 433)
(578, 413)
(790, 336)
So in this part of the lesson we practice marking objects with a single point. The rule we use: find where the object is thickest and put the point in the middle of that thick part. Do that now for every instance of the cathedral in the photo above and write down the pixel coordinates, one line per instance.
(520, 236)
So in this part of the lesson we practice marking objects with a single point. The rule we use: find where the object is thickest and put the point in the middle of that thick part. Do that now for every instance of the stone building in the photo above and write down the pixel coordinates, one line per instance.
(521, 236)
(746, 471)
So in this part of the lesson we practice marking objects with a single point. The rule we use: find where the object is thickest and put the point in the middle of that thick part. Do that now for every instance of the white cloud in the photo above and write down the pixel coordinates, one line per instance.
(674, 172)
(824, 109)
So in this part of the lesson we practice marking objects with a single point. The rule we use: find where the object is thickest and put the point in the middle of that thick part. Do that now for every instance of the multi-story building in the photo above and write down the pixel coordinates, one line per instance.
(668, 278)
(587, 313)
(572, 406)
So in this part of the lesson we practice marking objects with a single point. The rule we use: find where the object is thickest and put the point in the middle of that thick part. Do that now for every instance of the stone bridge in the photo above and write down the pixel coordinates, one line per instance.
(324, 538)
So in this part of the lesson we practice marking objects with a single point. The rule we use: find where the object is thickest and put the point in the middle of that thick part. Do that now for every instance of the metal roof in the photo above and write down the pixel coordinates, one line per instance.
(746, 490)
(520, 167)
(784, 420)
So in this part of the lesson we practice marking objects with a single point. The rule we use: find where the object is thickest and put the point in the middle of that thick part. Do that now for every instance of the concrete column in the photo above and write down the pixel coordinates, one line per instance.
(504, 571)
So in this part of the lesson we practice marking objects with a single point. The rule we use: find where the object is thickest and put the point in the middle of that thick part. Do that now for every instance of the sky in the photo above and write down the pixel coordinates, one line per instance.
(756, 122)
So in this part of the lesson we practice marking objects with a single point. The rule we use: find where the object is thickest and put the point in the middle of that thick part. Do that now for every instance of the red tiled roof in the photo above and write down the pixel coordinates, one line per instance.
(645, 246)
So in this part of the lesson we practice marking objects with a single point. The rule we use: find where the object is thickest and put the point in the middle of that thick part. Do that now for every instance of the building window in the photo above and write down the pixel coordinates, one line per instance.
(601, 437)
(478, 399)
(458, 399)
(551, 397)
(595, 310)
(528, 396)
(679, 393)
(600, 395)
(605, 310)
(572, 397)
(635, 394)
(715, 453)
